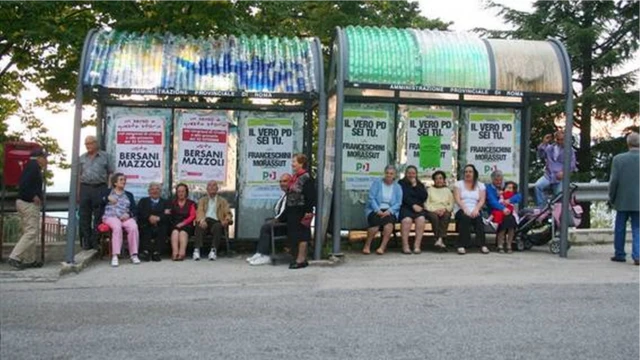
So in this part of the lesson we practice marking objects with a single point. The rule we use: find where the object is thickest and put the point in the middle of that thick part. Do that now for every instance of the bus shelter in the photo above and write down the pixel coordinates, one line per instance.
(437, 100)
(180, 109)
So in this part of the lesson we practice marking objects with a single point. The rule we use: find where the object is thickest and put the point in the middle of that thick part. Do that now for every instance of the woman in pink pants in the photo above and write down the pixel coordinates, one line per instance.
(120, 214)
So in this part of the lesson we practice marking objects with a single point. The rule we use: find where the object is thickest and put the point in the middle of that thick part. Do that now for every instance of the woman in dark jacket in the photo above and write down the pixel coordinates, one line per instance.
(183, 213)
(119, 213)
(301, 198)
(414, 195)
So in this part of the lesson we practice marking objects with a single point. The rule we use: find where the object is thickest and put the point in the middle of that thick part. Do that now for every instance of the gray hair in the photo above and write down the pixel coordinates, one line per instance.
(390, 167)
(632, 139)
(496, 174)
(153, 184)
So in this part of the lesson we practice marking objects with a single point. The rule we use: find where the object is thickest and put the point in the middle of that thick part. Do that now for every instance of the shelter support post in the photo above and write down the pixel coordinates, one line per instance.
(525, 153)
(568, 149)
(337, 179)
(75, 152)
(319, 236)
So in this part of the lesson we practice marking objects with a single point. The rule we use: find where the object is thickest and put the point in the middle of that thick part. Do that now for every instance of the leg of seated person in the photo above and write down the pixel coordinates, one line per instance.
(183, 240)
(405, 228)
(264, 241)
(217, 230)
(478, 224)
(160, 236)
(386, 236)
(417, 245)
(444, 222)
(371, 233)
(116, 234)
(540, 187)
(132, 235)
(146, 236)
(175, 237)
(199, 238)
(464, 230)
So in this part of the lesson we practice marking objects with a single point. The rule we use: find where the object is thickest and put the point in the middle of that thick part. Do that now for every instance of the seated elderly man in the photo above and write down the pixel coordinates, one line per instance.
(261, 257)
(153, 222)
(213, 216)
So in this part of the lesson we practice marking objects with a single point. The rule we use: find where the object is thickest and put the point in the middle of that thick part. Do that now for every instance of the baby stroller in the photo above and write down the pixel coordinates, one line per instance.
(538, 227)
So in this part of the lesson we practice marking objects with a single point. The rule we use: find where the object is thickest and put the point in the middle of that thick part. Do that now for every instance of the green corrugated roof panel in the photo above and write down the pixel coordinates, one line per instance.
(417, 57)
(431, 58)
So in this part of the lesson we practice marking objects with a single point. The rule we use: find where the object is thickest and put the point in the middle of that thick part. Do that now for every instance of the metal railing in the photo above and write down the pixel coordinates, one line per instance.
(55, 229)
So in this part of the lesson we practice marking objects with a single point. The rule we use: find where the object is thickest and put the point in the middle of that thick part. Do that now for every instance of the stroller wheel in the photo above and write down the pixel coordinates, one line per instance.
(519, 242)
(554, 246)
(528, 244)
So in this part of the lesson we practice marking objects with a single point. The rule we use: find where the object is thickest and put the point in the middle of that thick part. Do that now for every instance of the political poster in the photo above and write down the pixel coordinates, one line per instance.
(430, 123)
(139, 147)
(365, 146)
(491, 143)
(202, 145)
(269, 149)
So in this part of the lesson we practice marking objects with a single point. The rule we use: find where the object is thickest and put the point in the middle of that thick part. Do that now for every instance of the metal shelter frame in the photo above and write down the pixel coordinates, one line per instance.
(307, 102)
(338, 84)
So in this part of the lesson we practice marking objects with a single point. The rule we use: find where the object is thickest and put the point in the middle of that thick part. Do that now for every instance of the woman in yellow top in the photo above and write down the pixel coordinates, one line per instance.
(439, 206)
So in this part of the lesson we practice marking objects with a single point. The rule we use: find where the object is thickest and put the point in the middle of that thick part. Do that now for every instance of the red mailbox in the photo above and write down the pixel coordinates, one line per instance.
(16, 155)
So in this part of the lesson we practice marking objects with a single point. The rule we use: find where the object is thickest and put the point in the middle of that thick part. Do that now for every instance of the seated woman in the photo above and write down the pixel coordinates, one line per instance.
(470, 195)
(439, 206)
(382, 209)
(119, 212)
(414, 195)
(183, 213)
(500, 202)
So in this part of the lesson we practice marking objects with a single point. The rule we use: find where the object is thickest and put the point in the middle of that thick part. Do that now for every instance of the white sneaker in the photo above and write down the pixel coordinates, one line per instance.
(212, 254)
(262, 260)
(196, 254)
(255, 256)
(114, 261)
(135, 260)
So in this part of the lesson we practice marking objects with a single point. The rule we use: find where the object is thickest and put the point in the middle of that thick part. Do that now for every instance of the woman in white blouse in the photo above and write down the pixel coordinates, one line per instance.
(470, 196)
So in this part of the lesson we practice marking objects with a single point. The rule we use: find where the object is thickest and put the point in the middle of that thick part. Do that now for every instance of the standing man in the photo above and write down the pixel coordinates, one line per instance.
(94, 175)
(261, 257)
(28, 205)
(553, 156)
(213, 216)
(624, 184)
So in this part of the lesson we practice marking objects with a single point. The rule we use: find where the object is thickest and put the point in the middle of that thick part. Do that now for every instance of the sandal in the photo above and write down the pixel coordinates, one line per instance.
(380, 251)
(366, 252)
(417, 251)
(406, 251)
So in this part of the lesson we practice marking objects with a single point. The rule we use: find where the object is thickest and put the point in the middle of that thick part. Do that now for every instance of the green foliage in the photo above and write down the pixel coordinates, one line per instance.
(600, 37)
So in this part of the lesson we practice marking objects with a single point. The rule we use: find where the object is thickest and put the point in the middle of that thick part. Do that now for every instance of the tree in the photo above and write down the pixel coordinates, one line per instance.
(600, 37)
(41, 42)
(39, 45)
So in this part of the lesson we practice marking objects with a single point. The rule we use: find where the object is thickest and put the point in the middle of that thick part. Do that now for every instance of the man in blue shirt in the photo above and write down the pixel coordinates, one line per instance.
(28, 205)
(553, 156)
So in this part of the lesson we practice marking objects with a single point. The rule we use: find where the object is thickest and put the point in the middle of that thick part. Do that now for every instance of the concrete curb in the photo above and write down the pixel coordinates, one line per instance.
(332, 261)
(82, 260)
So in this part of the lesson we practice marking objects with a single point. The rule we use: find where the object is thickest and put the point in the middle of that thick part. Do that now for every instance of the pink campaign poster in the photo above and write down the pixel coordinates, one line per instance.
(202, 149)
(140, 148)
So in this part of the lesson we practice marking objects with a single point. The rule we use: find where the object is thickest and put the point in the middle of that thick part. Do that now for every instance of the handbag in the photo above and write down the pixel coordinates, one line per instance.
(306, 220)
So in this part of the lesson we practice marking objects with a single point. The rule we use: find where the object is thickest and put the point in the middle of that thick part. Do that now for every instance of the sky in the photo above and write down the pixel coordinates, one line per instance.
(465, 15)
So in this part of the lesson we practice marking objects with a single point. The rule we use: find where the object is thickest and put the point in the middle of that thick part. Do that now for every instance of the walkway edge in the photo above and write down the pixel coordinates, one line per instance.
(83, 259)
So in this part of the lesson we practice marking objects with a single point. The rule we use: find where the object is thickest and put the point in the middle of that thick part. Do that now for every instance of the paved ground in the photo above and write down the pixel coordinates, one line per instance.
(528, 305)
